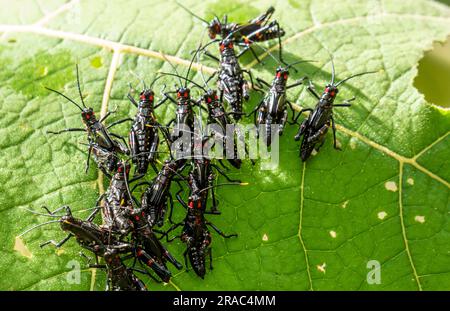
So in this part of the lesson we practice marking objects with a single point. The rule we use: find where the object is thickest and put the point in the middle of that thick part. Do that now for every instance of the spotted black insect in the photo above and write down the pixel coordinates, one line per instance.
(155, 199)
(315, 127)
(201, 179)
(259, 29)
(118, 201)
(272, 110)
(233, 88)
(123, 215)
(217, 116)
(143, 136)
(102, 142)
(102, 243)
(195, 233)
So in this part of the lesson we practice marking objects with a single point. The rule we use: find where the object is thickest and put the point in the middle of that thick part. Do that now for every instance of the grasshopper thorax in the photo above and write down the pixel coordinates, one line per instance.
(183, 95)
(210, 98)
(328, 95)
(226, 46)
(123, 171)
(88, 116)
(281, 75)
(146, 100)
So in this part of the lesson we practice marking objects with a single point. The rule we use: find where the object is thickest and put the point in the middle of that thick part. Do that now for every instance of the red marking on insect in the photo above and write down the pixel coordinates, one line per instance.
(209, 99)
(285, 76)
(142, 97)
(178, 94)
(327, 90)
(151, 97)
(186, 94)
(150, 262)
(222, 47)
(216, 97)
(137, 218)
(332, 94)
(191, 204)
(230, 45)
(278, 74)
(199, 205)
(139, 252)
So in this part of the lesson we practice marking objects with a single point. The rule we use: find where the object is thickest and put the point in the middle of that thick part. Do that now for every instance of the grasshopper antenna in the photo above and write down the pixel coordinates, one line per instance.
(192, 60)
(79, 88)
(174, 68)
(355, 75)
(264, 49)
(187, 80)
(332, 69)
(59, 93)
(42, 214)
(139, 78)
(37, 226)
(192, 13)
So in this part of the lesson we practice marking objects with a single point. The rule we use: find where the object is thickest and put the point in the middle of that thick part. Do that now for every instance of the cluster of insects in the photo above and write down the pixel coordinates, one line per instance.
(128, 240)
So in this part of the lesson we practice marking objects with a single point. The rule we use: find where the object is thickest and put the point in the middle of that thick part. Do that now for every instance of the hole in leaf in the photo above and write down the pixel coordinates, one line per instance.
(433, 77)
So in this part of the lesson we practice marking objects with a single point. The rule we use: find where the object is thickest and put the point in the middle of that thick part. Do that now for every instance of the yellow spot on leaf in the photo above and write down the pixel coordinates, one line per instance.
(352, 143)
(96, 62)
(420, 219)
(391, 186)
(344, 205)
(333, 234)
(382, 215)
(410, 181)
(59, 251)
(322, 267)
(265, 238)
(20, 247)
(314, 152)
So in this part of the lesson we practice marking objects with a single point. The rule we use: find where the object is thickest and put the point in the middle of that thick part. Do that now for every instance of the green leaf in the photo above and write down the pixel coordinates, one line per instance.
(384, 197)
